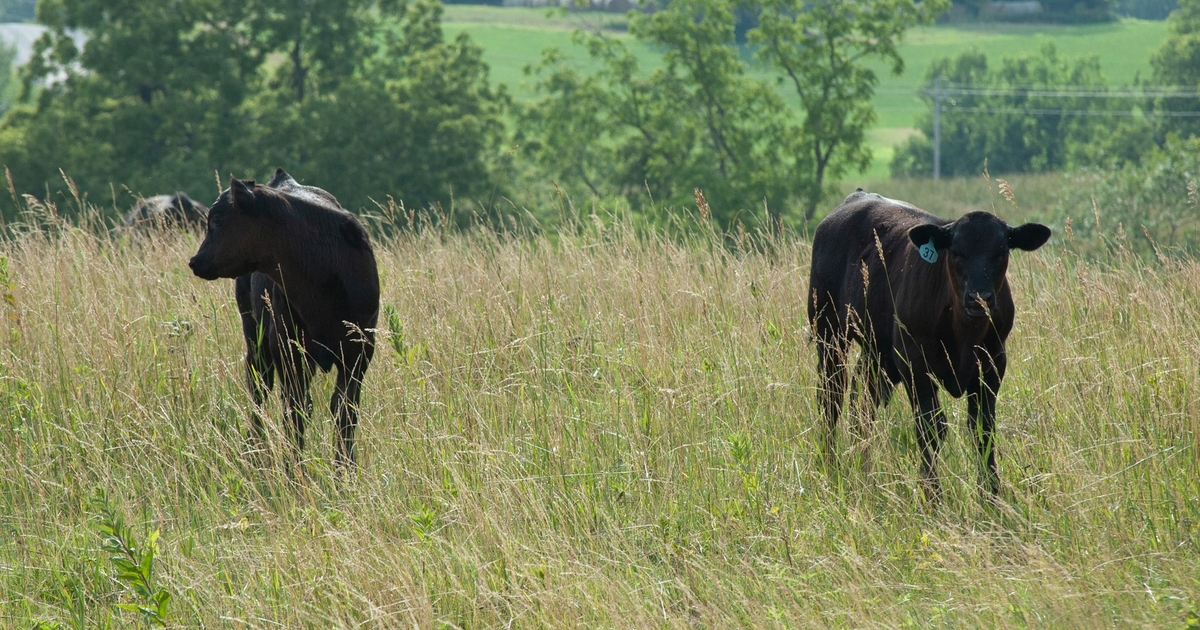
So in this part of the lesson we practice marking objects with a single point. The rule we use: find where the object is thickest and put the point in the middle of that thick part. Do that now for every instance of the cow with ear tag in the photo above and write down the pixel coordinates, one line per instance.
(307, 289)
(928, 301)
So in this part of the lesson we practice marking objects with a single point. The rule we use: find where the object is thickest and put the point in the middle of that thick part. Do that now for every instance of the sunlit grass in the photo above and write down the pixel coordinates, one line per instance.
(599, 428)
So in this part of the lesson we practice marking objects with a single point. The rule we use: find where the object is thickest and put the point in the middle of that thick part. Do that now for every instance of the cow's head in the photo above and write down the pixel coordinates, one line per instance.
(183, 211)
(976, 250)
(239, 227)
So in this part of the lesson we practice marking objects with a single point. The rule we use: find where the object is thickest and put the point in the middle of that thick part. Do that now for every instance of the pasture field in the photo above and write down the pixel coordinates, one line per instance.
(600, 428)
(513, 38)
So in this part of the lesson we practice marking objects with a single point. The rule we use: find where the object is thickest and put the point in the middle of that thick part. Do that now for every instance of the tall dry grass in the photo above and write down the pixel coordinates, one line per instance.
(602, 428)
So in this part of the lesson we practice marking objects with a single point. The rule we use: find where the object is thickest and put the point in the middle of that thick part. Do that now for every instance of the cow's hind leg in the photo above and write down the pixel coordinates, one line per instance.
(298, 400)
(259, 369)
(260, 378)
(295, 374)
(344, 405)
(831, 363)
(874, 389)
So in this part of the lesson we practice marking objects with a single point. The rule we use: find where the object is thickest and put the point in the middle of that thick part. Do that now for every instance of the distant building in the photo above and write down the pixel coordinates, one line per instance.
(612, 6)
(1027, 7)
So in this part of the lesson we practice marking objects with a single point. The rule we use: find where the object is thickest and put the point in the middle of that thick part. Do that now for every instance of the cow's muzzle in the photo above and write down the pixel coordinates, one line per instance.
(203, 268)
(979, 303)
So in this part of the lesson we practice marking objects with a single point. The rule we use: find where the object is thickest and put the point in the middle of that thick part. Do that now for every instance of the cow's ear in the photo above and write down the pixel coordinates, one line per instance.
(929, 233)
(1028, 237)
(280, 178)
(242, 193)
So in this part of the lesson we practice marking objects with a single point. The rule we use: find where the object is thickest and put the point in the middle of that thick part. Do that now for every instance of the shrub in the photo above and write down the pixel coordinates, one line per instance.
(1154, 205)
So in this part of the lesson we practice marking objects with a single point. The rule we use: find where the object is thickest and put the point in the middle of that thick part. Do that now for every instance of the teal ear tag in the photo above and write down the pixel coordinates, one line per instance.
(928, 252)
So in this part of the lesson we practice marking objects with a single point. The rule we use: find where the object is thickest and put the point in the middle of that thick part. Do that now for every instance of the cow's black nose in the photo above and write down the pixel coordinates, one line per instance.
(987, 297)
(201, 269)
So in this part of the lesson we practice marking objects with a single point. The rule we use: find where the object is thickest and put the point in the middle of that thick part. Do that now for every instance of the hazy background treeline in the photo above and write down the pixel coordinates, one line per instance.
(766, 106)
(369, 99)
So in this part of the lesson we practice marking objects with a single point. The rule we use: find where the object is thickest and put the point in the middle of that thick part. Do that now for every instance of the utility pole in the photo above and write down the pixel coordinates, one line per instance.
(938, 94)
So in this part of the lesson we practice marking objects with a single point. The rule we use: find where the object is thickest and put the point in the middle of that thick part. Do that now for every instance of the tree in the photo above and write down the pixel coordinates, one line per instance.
(7, 84)
(1177, 63)
(364, 98)
(324, 40)
(1000, 115)
(405, 114)
(1154, 202)
(820, 48)
(153, 101)
(703, 121)
(697, 122)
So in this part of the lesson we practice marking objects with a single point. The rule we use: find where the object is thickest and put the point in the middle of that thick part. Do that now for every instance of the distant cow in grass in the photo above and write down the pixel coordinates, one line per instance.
(163, 211)
(308, 292)
(928, 301)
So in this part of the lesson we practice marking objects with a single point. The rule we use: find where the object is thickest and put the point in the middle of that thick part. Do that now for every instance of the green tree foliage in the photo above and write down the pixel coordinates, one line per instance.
(1177, 63)
(364, 98)
(697, 122)
(400, 111)
(7, 84)
(324, 40)
(1156, 203)
(702, 121)
(153, 102)
(821, 49)
(1007, 116)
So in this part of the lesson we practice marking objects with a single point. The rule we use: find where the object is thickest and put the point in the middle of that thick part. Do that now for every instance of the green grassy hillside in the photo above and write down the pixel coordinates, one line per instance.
(1124, 49)
(513, 38)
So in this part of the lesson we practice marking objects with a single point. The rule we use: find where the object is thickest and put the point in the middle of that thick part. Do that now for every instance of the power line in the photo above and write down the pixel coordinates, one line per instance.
(942, 94)
(1050, 92)
(1070, 112)
(1059, 93)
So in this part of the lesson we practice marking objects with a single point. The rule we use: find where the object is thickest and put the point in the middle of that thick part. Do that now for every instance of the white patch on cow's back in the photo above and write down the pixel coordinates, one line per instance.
(902, 204)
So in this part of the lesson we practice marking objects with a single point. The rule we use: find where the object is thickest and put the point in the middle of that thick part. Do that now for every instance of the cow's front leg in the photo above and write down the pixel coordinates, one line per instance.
(931, 430)
(981, 410)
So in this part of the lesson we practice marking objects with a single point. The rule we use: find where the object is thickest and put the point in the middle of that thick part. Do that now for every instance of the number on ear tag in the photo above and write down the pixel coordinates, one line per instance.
(928, 252)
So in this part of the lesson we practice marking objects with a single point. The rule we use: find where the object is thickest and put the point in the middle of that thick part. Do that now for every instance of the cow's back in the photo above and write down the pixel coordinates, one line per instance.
(847, 239)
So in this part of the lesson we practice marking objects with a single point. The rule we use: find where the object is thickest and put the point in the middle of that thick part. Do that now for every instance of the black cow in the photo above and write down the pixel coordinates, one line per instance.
(928, 302)
(162, 211)
(308, 291)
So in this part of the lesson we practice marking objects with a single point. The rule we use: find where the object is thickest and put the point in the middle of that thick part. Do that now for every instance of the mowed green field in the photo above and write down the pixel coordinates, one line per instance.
(514, 38)
(599, 429)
